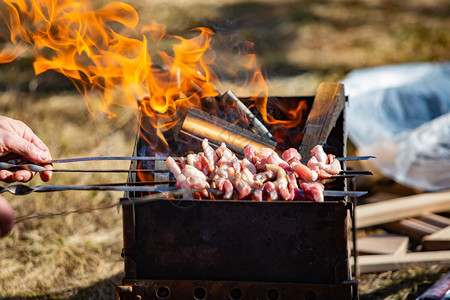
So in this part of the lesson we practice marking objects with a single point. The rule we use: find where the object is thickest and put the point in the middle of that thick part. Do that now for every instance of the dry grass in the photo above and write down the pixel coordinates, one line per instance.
(403, 284)
(61, 254)
(299, 43)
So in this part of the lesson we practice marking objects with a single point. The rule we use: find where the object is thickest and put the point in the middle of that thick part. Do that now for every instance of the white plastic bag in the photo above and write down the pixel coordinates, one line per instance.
(401, 113)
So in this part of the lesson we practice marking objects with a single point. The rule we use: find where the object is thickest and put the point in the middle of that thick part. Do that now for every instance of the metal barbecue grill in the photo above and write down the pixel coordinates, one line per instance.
(226, 249)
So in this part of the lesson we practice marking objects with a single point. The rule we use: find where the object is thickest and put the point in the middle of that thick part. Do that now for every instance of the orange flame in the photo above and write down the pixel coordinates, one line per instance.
(108, 58)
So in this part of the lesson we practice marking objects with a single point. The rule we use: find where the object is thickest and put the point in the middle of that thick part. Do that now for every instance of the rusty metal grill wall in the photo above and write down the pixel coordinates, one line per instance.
(240, 240)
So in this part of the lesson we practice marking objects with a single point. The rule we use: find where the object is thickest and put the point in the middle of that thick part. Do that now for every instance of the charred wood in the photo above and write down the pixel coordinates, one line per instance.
(241, 110)
(199, 125)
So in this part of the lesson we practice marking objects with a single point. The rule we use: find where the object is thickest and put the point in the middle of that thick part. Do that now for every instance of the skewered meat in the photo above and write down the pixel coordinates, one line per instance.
(313, 190)
(304, 172)
(291, 154)
(210, 155)
(261, 175)
(325, 165)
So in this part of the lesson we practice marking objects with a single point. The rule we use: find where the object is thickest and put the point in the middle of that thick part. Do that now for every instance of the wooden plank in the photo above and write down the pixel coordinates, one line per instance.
(327, 106)
(414, 228)
(420, 228)
(440, 240)
(400, 208)
(378, 196)
(434, 219)
(383, 244)
(387, 262)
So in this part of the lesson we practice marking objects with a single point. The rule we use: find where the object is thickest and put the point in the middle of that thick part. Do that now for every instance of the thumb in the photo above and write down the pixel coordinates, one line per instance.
(27, 150)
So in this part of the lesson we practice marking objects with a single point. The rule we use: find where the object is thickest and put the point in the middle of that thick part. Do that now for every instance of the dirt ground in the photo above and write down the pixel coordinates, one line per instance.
(67, 245)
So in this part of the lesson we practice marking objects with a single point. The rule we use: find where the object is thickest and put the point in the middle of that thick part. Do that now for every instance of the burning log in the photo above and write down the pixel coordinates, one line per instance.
(228, 107)
(199, 125)
(209, 102)
(255, 125)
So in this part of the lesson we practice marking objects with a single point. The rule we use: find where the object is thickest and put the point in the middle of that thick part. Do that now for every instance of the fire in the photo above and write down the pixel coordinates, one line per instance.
(106, 53)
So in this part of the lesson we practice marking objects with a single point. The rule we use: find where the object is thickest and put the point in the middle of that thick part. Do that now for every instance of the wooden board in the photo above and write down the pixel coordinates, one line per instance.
(440, 240)
(328, 105)
(387, 262)
(412, 227)
(434, 219)
(382, 244)
(378, 196)
(400, 208)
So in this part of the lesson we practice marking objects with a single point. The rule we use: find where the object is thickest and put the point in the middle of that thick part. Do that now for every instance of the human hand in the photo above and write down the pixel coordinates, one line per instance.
(18, 141)
(6, 217)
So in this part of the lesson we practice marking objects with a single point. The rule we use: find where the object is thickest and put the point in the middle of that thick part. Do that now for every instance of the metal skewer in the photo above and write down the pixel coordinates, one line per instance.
(359, 172)
(37, 168)
(22, 189)
(155, 158)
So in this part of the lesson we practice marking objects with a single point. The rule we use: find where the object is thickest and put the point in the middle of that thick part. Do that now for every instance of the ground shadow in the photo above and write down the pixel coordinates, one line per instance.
(100, 290)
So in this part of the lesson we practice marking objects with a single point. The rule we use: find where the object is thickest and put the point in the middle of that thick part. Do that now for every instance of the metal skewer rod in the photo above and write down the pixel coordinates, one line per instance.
(155, 158)
(22, 189)
(104, 170)
(37, 168)
(359, 172)
(138, 183)
(341, 175)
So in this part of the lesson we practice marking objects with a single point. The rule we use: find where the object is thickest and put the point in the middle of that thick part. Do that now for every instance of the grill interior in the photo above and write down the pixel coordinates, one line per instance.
(148, 143)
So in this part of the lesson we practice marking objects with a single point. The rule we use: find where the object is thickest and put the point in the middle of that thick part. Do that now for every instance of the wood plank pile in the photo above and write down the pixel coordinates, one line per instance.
(397, 232)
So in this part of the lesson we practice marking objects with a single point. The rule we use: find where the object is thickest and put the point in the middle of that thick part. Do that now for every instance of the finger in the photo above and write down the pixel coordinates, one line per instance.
(6, 217)
(22, 175)
(6, 176)
(47, 175)
(27, 150)
(18, 138)
(27, 134)
(39, 143)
